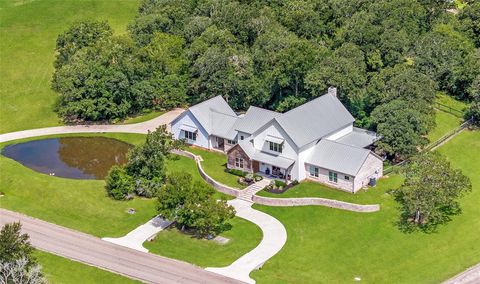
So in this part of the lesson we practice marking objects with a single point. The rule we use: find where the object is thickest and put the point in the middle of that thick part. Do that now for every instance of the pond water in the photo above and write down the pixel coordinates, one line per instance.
(70, 157)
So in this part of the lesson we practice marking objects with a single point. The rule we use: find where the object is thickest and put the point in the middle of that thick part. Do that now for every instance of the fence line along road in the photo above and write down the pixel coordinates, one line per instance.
(93, 251)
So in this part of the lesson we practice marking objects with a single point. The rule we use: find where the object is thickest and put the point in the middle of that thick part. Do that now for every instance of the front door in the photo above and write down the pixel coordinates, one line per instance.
(220, 143)
(256, 166)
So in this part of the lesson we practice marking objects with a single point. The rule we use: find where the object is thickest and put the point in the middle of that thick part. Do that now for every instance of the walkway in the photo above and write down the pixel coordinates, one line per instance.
(274, 238)
(93, 251)
(143, 233)
(248, 193)
(469, 276)
(142, 127)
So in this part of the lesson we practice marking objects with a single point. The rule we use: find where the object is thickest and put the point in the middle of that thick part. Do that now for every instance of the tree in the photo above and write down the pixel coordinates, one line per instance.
(192, 205)
(402, 128)
(289, 103)
(470, 21)
(430, 193)
(14, 245)
(80, 35)
(449, 58)
(19, 272)
(118, 183)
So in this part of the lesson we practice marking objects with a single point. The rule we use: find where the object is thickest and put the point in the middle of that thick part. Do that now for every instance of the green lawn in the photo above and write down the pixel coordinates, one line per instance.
(214, 164)
(28, 31)
(244, 236)
(78, 204)
(143, 117)
(445, 122)
(333, 246)
(61, 270)
(373, 195)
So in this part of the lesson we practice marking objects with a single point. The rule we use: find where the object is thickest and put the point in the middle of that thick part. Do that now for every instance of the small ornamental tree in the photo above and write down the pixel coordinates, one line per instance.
(192, 205)
(118, 183)
(430, 193)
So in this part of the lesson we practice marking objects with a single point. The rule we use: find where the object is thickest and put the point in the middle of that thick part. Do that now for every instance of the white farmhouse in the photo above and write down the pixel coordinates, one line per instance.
(315, 141)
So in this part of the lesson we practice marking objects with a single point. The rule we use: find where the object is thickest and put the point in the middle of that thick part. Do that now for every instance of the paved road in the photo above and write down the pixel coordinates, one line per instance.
(142, 127)
(91, 250)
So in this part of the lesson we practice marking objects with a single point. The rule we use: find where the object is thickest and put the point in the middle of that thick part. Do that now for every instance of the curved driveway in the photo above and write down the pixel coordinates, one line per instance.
(142, 128)
(274, 237)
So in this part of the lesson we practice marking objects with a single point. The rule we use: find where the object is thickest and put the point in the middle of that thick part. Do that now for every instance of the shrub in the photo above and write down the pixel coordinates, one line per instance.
(237, 172)
(118, 183)
(257, 177)
(249, 178)
(279, 183)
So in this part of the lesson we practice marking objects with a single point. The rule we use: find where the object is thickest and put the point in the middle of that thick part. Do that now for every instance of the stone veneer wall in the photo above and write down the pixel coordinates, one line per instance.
(315, 201)
(218, 186)
(237, 152)
(342, 183)
(369, 167)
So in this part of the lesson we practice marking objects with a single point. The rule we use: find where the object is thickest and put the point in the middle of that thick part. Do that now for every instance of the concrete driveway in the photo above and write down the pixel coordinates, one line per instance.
(142, 127)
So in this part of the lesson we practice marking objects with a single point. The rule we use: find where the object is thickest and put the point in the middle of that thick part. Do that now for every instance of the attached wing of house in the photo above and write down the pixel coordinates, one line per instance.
(314, 141)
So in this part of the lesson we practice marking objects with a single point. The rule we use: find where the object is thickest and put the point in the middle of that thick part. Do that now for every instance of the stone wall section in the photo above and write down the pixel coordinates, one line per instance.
(237, 152)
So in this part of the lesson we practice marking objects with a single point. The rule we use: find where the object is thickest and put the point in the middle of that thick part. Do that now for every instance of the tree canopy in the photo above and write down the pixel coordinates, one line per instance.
(430, 193)
(272, 54)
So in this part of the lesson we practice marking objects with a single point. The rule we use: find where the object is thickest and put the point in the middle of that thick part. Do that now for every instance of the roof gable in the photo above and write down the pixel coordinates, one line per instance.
(315, 119)
(203, 111)
(255, 118)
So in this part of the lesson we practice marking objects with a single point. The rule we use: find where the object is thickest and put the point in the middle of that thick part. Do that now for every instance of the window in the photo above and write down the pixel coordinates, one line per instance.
(231, 142)
(190, 135)
(313, 171)
(241, 137)
(347, 178)
(239, 163)
(332, 176)
(275, 147)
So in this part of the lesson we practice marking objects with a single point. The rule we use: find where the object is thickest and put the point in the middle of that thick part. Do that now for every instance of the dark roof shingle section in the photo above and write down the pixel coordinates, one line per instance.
(315, 119)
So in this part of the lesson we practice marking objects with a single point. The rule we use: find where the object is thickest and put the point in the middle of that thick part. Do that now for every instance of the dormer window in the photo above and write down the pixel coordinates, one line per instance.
(275, 147)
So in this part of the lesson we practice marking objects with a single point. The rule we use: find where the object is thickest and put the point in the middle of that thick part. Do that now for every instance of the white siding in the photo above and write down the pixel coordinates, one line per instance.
(372, 167)
(342, 132)
(240, 134)
(188, 119)
(289, 148)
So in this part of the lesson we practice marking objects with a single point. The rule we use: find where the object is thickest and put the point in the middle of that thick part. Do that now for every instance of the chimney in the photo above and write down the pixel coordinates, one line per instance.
(332, 91)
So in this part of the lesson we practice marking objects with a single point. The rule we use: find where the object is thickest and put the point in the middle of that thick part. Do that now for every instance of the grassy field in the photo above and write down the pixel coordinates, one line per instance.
(244, 236)
(445, 119)
(28, 31)
(333, 246)
(61, 270)
(78, 204)
(214, 164)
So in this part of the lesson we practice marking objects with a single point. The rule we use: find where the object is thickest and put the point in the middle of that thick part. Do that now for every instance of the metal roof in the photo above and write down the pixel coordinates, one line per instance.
(274, 139)
(359, 138)
(189, 128)
(315, 119)
(222, 125)
(338, 157)
(255, 118)
(264, 157)
(203, 111)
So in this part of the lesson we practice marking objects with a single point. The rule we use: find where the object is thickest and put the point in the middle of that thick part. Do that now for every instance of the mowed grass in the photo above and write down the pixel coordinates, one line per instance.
(62, 270)
(78, 204)
(28, 31)
(446, 120)
(373, 195)
(244, 236)
(333, 246)
(214, 163)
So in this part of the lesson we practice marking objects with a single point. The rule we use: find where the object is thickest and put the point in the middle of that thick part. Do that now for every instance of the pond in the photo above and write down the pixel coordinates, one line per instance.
(70, 157)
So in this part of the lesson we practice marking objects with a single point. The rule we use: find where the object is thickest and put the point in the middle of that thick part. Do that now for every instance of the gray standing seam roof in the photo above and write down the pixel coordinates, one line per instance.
(222, 125)
(359, 138)
(255, 118)
(203, 112)
(264, 157)
(315, 119)
(338, 157)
